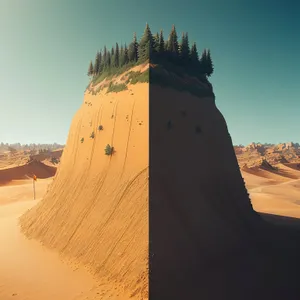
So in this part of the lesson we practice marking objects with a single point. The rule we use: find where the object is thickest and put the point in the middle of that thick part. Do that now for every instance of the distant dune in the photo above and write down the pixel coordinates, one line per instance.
(26, 171)
(19, 158)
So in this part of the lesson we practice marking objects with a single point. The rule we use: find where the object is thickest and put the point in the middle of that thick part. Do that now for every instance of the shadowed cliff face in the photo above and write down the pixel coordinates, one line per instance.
(194, 174)
(206, 241)
(199, 208)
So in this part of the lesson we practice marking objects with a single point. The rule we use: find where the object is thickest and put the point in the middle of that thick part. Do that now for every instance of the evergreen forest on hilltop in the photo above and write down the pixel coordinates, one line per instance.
(174, 54)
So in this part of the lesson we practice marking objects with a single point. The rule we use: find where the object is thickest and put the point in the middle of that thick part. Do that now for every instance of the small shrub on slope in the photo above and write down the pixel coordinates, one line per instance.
(100, 127)
(92, 135)
(109, 150)
(82, 140)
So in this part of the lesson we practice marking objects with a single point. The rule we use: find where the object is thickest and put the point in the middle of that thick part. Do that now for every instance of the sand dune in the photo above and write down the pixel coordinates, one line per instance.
(295, 166)
(287, 171)
(97, 208)
(28, 170)
(46, 156)
(20, 158)
(281, 199)
(252, 180)
(273, 175)
(276, 192)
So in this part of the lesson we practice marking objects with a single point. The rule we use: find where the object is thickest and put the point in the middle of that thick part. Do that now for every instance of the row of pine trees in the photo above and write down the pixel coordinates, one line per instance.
(157, 50)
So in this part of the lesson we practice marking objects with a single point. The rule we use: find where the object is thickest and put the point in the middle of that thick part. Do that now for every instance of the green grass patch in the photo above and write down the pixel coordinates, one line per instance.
(135, 77)
(116, 88)
(111, 72)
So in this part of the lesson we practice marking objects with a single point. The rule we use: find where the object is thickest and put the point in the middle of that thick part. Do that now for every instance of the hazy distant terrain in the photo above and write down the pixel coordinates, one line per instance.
(4, 147)
(21, 164)
(256, 154)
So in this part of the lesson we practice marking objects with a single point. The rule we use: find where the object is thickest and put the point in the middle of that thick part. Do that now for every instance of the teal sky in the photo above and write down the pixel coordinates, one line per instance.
(46, 47)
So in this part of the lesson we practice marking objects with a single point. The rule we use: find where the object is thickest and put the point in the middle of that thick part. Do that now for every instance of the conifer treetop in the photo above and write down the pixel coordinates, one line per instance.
(155, 48)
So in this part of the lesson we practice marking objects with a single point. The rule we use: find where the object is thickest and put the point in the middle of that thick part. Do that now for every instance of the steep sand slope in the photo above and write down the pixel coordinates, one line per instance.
(28, 170)
(97, 208)
(199, 203)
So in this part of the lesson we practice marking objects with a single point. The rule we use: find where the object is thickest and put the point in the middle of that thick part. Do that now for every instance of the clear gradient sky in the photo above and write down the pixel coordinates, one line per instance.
(46, 47)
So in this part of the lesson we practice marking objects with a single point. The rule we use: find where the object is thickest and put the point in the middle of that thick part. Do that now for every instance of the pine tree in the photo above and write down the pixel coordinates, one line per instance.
(161, 42)
(156, 43)
(206, 63)
(100, 62)
(184, 49)
(194, 54)
(117, 56)
(133, 50)
(210, 66)
(122, 56)
(181, 44)
(146, 44)
(112, 56)
(96, 64)
(108, 60)
(126, 58)
(202, 61)
(104, 58)
(90, 69)
(166, 46)
(173, 46)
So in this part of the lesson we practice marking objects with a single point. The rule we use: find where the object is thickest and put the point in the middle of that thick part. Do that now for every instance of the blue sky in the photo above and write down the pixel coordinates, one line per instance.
(46, 47)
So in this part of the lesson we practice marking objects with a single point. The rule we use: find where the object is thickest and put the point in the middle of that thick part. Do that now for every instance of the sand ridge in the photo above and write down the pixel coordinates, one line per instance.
(25, 171)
